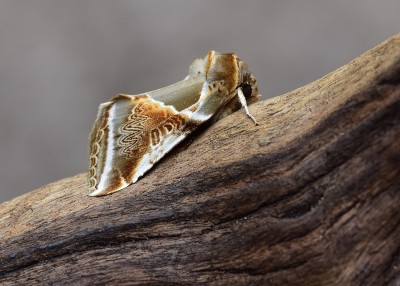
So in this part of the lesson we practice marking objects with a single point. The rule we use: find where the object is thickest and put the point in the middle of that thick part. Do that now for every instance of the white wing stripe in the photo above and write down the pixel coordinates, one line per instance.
(110, 152)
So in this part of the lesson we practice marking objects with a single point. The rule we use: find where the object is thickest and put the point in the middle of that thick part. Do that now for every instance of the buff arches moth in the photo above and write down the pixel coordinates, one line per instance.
(132, 132)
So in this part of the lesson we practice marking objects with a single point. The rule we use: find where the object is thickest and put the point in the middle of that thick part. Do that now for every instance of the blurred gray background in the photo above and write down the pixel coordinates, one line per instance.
(60, 59)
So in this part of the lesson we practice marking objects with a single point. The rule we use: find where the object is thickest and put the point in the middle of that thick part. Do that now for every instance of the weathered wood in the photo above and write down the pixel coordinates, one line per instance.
(311, 196)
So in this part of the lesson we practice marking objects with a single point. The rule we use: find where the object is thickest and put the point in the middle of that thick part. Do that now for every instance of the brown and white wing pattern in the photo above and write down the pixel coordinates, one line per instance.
(130, 135)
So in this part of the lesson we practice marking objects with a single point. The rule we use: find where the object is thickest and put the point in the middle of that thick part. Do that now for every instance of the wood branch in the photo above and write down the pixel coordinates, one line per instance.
(311, 196)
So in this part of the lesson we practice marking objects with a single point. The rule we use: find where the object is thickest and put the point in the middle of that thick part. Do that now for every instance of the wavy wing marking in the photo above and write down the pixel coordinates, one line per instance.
(133, 131)
(130, 135)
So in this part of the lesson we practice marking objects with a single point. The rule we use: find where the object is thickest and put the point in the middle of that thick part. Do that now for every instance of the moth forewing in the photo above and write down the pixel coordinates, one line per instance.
(139, 131)
(180, 95)
(132, 133)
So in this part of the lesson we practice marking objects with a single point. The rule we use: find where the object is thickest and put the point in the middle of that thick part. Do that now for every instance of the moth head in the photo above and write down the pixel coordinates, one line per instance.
(233, 72)
(247, 83)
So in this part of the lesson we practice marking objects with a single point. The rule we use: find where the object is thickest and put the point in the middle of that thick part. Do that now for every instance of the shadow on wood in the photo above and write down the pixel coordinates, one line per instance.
(310, 196)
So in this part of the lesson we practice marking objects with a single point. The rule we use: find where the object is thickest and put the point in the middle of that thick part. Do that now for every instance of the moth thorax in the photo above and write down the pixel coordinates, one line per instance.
(222, 67)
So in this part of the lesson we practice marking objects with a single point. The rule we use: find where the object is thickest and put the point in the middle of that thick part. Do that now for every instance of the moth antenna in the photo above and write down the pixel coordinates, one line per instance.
(242, 100)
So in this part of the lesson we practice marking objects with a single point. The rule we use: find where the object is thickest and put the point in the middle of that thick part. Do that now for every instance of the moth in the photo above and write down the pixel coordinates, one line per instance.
(132, 132)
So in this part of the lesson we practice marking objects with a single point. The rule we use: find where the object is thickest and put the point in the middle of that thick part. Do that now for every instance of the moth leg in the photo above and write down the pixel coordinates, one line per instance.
(242, 100)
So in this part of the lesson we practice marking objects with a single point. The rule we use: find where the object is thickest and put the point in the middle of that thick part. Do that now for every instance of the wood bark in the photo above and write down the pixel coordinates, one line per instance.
(311, 196)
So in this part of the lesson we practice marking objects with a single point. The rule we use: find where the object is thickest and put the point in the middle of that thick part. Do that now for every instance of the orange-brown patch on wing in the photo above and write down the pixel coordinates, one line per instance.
(147, 125)
(115, 181)
(168, 127)
(209, 59)
(223, 67)
(155, 136)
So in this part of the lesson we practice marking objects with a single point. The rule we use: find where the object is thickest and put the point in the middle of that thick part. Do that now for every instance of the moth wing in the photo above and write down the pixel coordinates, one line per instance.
(130, 134)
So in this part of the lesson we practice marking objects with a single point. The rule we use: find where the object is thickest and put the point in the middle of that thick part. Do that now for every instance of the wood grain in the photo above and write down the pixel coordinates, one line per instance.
(311, 196)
